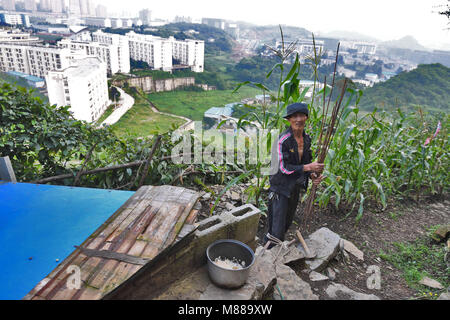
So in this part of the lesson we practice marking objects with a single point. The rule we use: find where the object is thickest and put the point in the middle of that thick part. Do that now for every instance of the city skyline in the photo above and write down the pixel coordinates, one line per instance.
(383, 19)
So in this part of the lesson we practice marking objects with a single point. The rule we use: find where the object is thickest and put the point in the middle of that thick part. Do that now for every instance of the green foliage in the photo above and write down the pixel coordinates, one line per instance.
(37, 137)
(427, 86)
(419, 259)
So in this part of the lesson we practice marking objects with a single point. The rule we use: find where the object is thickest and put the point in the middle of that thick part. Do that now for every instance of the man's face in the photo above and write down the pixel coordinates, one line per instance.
(297, 120)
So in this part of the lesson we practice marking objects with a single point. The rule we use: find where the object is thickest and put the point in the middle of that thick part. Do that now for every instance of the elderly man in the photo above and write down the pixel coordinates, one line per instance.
(294, 170)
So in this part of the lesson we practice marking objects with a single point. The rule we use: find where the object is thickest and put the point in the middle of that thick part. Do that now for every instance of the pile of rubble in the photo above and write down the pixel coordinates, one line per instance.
(234, 197)
(273, 275)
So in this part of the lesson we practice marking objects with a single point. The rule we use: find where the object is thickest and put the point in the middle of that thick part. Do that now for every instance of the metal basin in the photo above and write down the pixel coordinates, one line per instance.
(228, 248)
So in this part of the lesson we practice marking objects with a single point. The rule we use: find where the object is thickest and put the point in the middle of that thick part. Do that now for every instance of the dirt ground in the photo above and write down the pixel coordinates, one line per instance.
(377, 230)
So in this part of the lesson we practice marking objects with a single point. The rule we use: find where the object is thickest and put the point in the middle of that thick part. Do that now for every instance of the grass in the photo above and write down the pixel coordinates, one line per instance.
(141, 121)
(106, 114)
(193, 105)
(419, 259)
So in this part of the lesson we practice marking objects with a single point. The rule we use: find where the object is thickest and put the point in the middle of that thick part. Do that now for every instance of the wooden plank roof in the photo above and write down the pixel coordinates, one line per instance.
(138, 231)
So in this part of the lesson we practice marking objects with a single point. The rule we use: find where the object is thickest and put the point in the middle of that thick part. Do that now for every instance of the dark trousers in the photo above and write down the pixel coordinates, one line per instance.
(281, 212)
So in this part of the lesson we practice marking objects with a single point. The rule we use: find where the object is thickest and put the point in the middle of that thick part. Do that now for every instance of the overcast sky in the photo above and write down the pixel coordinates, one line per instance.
(382, 19)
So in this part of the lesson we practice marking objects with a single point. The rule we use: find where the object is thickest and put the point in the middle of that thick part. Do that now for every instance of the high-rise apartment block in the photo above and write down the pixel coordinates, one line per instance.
(123, 47)
(108, 53)
(189, 52)
(57, 6)
(156, 51)
(9, 5)
(101, 11)
(83, 86)
(145, 16)
(30, 5)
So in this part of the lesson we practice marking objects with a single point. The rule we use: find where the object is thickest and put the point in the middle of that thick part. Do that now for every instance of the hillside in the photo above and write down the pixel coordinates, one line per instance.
(427, 86)
(407, 42)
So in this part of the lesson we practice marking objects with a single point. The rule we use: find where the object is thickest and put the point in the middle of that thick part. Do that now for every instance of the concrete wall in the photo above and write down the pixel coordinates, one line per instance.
(148, 84)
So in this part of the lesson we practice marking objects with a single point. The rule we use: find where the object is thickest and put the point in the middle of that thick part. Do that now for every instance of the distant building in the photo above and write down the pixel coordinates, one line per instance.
(30, 5)
(116, 23)
(360, 47)
(156, 51)
(123, 47)
(145, 15)
(216, 23)
(74, 7)
(108, 53)
(98, 22)
(9, 5)
(33, 81)
(57, 6)
(45, 5)
(372, 77)
(35, 60)
(83, 86)
(233, 30)
(18, 37)
(306, 46)
(15, 19)
(189, 52)
(101, 11)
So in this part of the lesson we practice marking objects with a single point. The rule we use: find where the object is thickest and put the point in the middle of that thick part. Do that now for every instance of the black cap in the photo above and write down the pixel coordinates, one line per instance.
(296, 107)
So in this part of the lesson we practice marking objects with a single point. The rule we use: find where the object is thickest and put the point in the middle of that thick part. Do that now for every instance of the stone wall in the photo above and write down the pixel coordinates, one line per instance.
(148, 84)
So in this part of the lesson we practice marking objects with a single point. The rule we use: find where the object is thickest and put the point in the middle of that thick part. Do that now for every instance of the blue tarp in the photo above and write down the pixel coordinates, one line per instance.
(42, 223)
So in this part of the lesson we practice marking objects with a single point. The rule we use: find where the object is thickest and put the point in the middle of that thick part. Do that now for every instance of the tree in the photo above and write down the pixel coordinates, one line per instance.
(446, 12)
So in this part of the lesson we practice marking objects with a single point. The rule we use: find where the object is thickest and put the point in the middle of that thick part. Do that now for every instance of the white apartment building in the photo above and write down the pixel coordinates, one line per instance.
(107, 53)
(123, 47)
(35, 60)
(156, 51)
(17, 37)
(189, 52)
(97, 22)
(361, 47)
(116, 23)
(15, 19)
(83, 86)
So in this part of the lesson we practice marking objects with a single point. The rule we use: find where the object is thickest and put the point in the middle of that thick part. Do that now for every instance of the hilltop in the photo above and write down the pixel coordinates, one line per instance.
(427, 85)
(408, 42)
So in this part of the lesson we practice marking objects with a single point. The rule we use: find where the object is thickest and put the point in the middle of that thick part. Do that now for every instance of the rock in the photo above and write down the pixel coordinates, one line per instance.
(315, 276)
(341, 292)
(331, 274)
(287, 254)
(441, 233)
(291, 286)
(325, 243)
(444, 296)
(229, 206)
(431, 283)
(206, 196)
(351, 248)
(235, 196)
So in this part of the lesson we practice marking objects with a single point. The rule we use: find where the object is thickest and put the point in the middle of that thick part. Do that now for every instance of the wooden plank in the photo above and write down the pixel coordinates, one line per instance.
(146, 224)
(122, 273)
(121, 257)
(89, 293)
(192, 217)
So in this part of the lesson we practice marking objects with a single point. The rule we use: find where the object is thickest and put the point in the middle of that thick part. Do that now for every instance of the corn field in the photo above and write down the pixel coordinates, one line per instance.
(381, 155)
